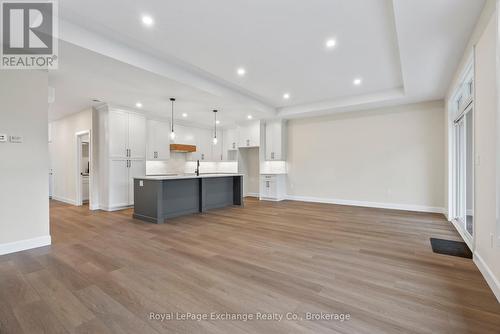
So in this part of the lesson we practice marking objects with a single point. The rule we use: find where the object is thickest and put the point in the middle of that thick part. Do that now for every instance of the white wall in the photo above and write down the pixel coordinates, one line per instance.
(484, 39)
(487, 250)
(390, 157)
(63, 153)
(24, 195)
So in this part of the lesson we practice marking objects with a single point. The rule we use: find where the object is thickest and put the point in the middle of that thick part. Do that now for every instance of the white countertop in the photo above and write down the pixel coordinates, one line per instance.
(183, 176)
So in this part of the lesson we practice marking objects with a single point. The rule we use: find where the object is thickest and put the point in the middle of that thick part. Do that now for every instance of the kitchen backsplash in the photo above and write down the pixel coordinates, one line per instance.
(177, 164)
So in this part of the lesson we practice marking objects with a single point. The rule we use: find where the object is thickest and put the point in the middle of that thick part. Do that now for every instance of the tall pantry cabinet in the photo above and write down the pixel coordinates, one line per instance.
(121, 149)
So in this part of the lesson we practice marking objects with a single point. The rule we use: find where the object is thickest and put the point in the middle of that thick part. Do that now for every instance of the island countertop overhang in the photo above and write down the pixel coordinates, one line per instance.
(183, 177)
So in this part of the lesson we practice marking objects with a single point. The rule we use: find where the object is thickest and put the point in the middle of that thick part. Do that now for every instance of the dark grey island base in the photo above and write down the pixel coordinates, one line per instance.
(158, 198)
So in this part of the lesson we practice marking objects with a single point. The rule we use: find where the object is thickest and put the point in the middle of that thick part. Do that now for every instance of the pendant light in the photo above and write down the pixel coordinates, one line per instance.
(215, 127)
(172, 133)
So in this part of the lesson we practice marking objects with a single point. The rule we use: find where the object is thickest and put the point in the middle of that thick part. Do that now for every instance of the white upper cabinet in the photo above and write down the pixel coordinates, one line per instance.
(203, 142)
(184, 135)
(230, 139)
(275, 140)
(127, 135)
(249, 135)
(137, 136)
(158, 140)
(217, 154)
(118, 134)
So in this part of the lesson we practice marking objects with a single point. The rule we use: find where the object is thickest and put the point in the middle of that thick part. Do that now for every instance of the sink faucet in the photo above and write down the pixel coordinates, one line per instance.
(197, 171)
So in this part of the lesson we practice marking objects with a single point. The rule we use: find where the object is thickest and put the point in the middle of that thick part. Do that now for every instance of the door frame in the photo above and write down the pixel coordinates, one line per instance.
(462, 230)
(79, 135)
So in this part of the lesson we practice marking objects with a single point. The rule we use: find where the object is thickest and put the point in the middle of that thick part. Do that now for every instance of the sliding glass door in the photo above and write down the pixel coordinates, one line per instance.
(464, 174)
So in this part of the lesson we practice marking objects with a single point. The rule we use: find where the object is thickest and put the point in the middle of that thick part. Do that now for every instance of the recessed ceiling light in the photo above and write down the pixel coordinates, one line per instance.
(147, 20)
(138, 105)
(286, 96)
(241, 71)
(217, 122)
(184, 115)
(249, 116)
(330, 44)
(357, 81)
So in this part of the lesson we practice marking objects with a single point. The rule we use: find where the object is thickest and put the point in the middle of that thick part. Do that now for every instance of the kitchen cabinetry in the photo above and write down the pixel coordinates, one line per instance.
(275, 140)
(127, 135)
(203, 142)
(158, 140)
(273, 187)
(121, 147)
(249, 135)
(230, 139)
(217, 150)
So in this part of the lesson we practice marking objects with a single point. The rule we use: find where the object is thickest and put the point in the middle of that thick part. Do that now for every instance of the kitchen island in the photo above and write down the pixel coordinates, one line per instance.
(158, 198)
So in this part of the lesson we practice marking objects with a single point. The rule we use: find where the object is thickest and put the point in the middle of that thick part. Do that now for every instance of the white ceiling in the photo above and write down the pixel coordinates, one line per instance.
(405, 51)
(84, 75)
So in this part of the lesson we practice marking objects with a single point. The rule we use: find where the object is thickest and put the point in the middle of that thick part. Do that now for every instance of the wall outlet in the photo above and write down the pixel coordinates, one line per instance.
(16, 139)
(141, 183)
(3, 138)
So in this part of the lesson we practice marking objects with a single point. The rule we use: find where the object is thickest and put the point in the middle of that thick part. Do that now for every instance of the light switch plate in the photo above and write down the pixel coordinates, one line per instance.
(16, 139)
(3, 138)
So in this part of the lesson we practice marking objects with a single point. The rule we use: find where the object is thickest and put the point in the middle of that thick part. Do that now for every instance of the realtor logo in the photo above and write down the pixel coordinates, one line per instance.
(29, 34)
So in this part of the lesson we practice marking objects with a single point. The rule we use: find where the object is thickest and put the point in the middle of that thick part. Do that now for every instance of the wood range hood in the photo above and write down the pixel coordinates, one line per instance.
(181, 148)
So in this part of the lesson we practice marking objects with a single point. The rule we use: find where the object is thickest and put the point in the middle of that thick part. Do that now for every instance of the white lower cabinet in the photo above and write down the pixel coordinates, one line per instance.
(121, 181)
(273, 187)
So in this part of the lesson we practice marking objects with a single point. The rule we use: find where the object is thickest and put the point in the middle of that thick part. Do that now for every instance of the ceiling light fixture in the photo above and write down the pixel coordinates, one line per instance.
(217, 122)
(330, 44)
(172, 133)
(241, 71)
(357, 81)
(215, 128)
(249, 116)
(184, 115)
(138, 105)
(147, 20)
(286, 96)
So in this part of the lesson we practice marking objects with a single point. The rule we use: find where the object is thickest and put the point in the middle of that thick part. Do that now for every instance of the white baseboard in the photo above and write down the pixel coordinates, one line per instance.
(13, 247)
(392, 206)
(492, 281)
(252, 195)
(64, 200)
(115, 208)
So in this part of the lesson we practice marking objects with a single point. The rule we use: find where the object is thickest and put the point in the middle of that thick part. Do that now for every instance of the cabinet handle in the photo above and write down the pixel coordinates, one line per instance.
(272, 155)
(234, 145)
(248, 142)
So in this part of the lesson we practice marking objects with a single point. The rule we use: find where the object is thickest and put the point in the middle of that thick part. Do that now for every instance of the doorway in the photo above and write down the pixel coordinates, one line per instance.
(463, 163)
(83, 168)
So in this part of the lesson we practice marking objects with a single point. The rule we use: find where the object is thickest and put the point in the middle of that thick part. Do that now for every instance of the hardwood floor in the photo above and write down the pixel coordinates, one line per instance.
(105, 273)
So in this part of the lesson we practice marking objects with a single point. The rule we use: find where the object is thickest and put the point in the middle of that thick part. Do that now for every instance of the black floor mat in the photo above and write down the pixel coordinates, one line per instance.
(450, 247)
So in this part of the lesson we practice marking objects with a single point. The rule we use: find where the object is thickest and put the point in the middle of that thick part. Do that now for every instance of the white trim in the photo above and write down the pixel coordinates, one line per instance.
(492, 281)
(64, 200)
(463, 234)
(252, 195)
(115, 208)
(78, 194)
(392, 206)
(17, 246)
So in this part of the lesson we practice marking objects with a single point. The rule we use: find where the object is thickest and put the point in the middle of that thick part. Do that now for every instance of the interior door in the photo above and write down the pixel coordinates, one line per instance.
(137, 169)
(464, 174)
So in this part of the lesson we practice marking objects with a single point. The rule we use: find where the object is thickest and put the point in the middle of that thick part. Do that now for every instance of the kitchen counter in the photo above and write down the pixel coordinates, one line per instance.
(184, 176)
(160, 197)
